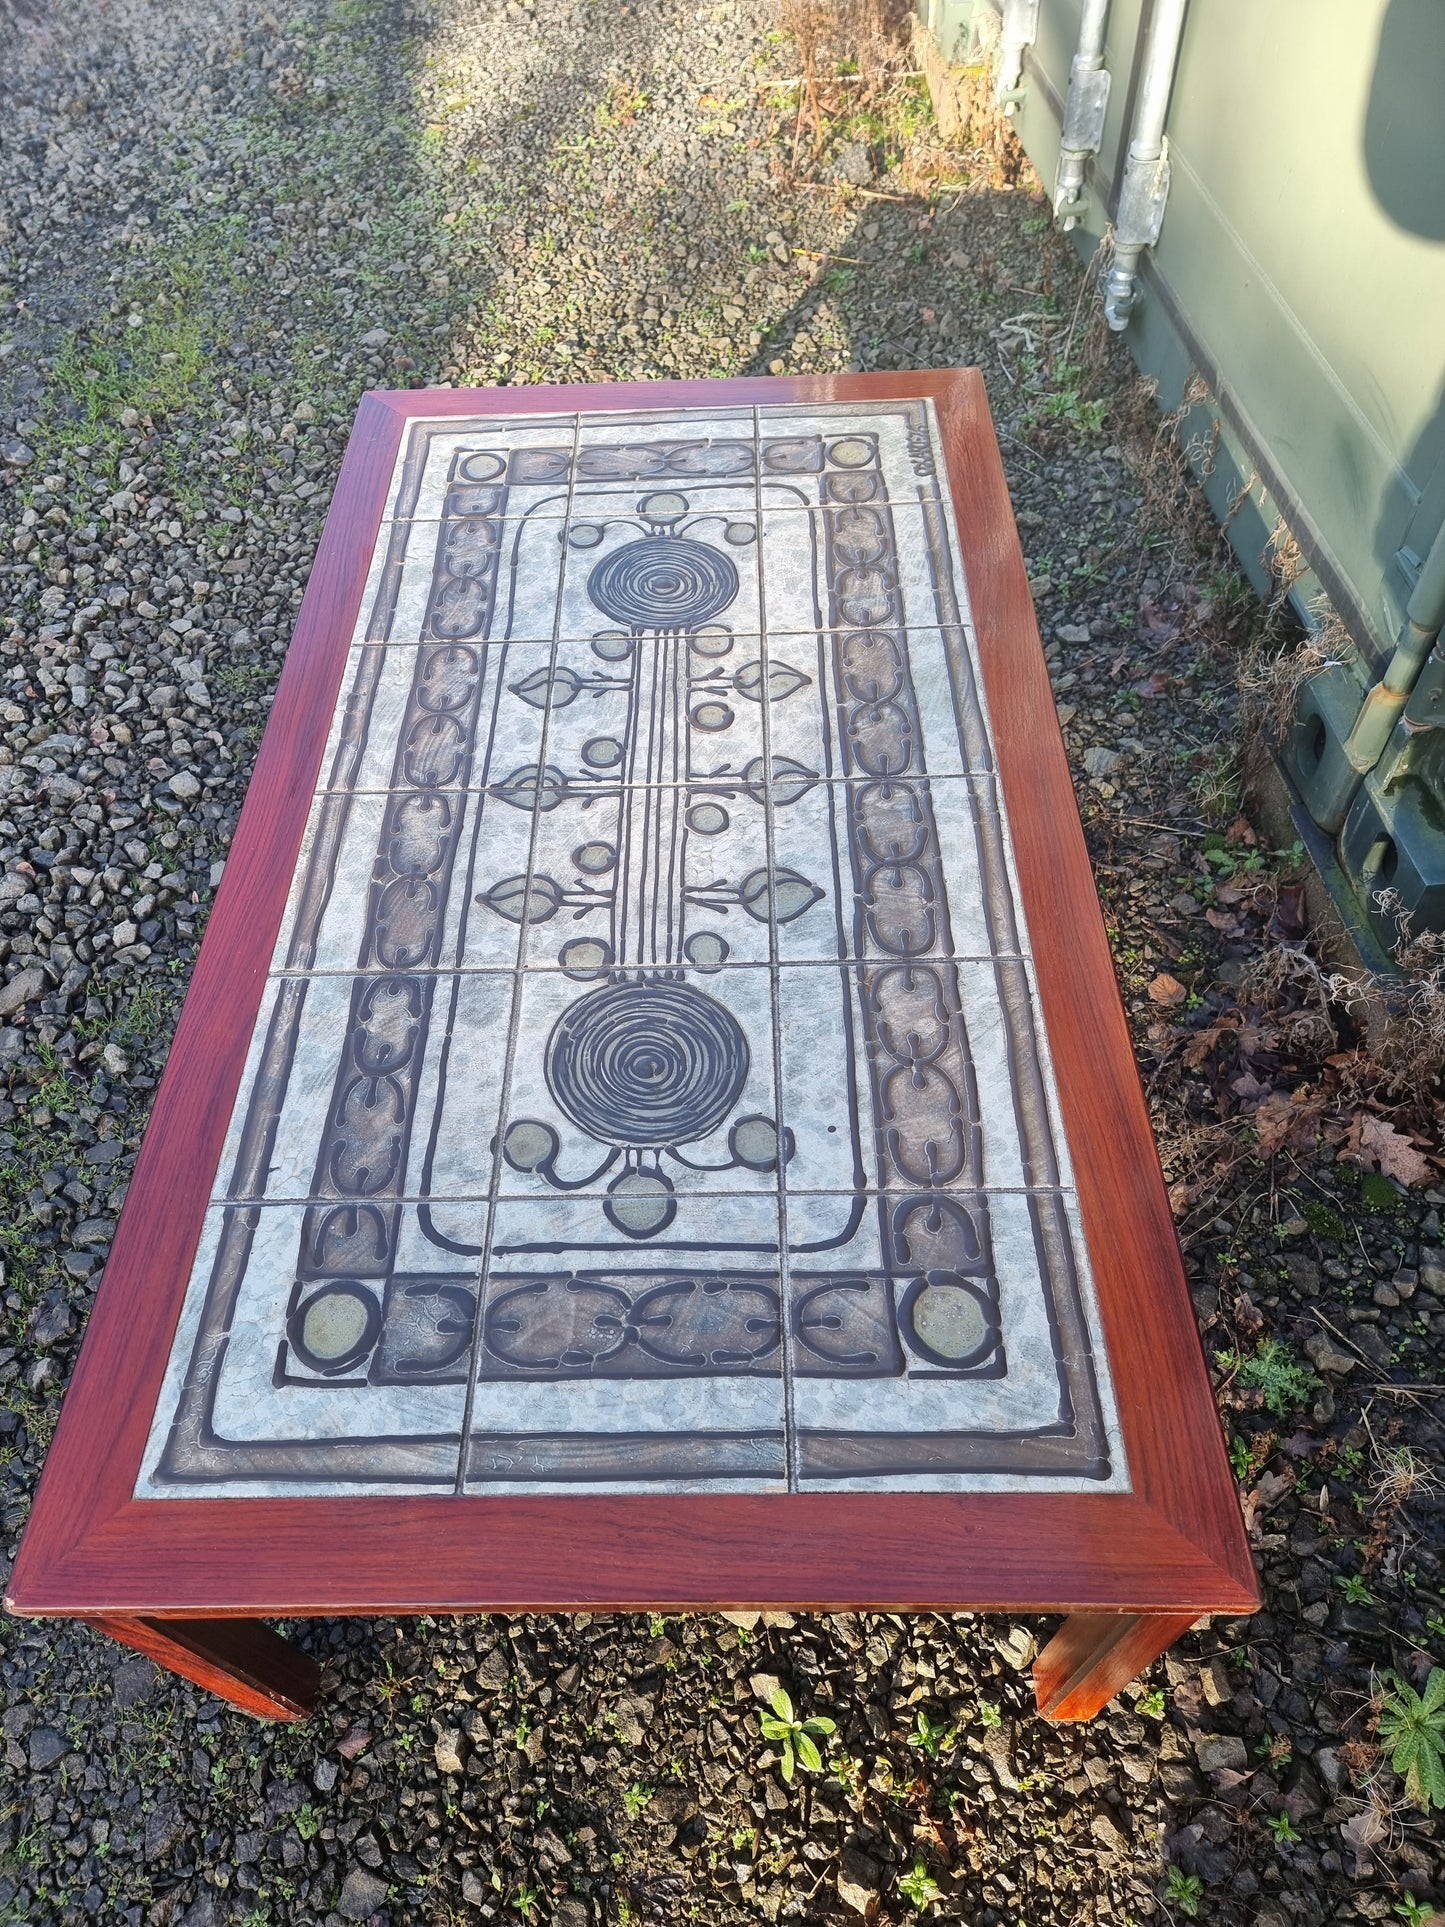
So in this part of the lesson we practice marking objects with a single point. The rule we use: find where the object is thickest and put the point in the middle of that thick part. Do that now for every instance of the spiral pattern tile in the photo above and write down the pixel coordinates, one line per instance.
(663, 582)
(647, 1064)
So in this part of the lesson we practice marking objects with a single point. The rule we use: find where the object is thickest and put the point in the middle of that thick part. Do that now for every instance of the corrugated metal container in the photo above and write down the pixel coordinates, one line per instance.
(1300, 270)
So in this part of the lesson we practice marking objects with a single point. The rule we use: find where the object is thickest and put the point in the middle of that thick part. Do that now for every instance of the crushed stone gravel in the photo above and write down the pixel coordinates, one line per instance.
(218, 225)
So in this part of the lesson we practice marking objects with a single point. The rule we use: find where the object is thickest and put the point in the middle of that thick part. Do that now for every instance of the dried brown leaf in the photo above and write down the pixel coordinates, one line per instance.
(1291, 1120)
(1373, 1142)
(1201, 1044)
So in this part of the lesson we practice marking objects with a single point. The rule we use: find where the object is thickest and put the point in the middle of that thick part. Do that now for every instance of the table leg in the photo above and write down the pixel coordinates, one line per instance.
(1093, 1654)
(239, 1660)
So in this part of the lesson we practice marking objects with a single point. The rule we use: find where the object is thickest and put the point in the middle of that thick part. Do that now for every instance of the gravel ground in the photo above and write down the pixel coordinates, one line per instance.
(216, 227)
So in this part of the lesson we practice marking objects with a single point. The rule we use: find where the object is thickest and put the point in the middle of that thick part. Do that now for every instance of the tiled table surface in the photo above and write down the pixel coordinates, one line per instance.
(652, 1123)
(649, 1088)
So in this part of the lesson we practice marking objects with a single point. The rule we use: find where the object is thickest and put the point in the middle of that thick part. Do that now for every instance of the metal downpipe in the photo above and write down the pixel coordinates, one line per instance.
(1146, 172)
(1424, 618)
(1084, 110)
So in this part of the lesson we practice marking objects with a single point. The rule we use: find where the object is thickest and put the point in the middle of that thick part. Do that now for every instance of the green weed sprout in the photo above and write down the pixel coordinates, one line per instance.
(799, 1738)
(1274, 1371)
(918, 1888)
(1412, 1725)
(1184, 1891)
(929, 1735)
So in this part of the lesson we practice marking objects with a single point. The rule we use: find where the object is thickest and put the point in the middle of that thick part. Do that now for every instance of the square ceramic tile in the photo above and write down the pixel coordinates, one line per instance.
(926, 1356)
(864, 565)
(814, 453)
(893, 867)
(434, 715)
(321, 1348)
(666, 876)
(412, 880)
(906, 1074)
(460, 467)
(874, 702)
(650, 1091)
(643, 711)
(472, 578)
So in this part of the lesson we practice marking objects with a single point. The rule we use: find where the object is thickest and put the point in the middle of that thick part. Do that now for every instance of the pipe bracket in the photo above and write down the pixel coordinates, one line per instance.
(1085, 109)
(1143, 195)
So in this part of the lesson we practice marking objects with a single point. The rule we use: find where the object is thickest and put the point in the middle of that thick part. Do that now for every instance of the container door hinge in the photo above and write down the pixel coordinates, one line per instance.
(1019, 31)
(1083, 135)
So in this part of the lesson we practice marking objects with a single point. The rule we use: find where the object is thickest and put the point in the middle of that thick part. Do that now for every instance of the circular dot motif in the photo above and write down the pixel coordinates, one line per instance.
(712, 716)
(482, 467)
(665, 507)
(529, 1144)
(647, 1064)
(707, 949)
(584, 535)
(585, 957)
(947, 1320)
(641, 1203)
(663, 582)
(603, 752)
(335, 1327)
(851, 453)
(740, 534)
(712, 641)
(595, 858)
(708, 819)
(754, 1142)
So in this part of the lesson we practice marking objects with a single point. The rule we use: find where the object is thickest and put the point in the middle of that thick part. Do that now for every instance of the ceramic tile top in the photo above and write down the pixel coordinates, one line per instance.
(649, 1091)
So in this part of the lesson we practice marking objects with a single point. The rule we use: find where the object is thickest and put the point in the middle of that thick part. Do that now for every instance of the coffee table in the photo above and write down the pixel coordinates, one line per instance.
(653, 1123)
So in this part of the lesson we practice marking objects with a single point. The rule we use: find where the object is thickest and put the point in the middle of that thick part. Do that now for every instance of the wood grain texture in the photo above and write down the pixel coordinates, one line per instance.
(1171, 1430)
(243, 1661)
(1093, 1655)
(1175, 1542)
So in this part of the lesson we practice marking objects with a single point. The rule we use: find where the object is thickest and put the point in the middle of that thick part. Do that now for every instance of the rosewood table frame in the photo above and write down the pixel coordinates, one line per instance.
(188, 1581)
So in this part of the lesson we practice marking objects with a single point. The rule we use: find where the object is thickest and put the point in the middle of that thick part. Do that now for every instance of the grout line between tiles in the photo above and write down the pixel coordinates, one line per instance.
(218, 1199)
(785, 1321)
(484, 1267)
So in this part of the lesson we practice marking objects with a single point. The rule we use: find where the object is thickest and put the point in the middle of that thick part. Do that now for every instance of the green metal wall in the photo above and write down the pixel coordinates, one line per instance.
(1301, 267)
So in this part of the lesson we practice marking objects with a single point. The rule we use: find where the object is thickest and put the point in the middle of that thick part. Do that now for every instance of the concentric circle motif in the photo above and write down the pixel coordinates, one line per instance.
(647, 1064)
(663, 582)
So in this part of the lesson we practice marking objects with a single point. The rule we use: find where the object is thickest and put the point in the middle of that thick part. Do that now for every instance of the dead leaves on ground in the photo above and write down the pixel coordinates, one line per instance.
(1253, 1080)
(1167, 991)
(1373, 1143)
